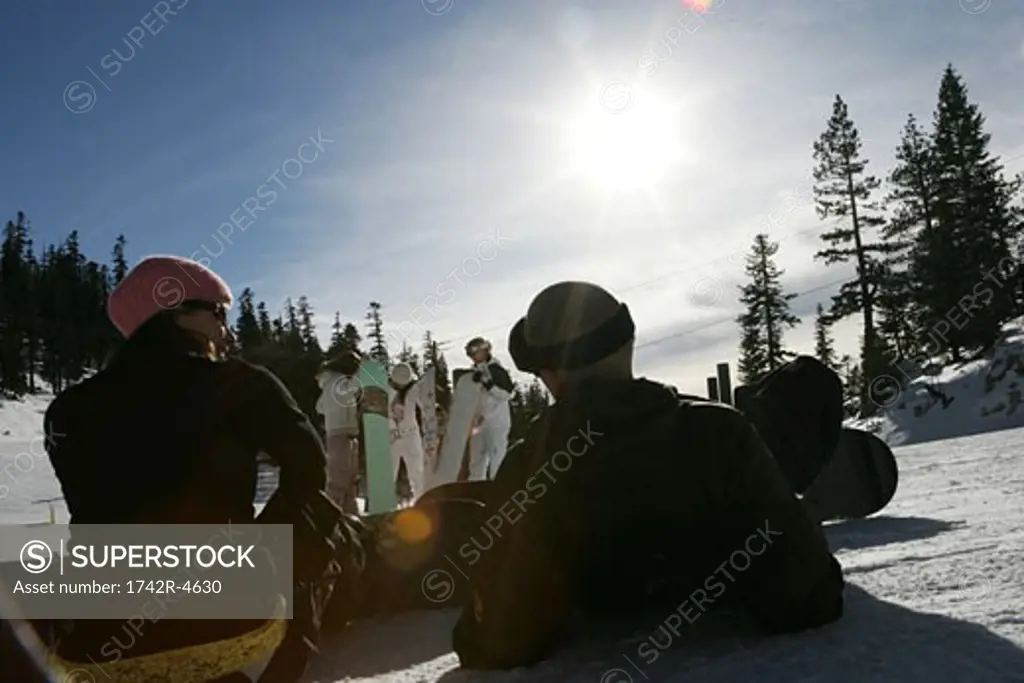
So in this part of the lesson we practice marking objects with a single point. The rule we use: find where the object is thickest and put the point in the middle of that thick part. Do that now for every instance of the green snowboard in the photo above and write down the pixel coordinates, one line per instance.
(380, 479)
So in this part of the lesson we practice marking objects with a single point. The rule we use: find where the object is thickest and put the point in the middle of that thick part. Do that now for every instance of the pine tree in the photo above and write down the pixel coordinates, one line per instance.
(378, 347)
(120, 268)
(337, 343)
(263, 320)
(767, 316)
(32, 321)
(824, 347)
(247, 327)
(15, 312)
(964, 262)
(96, 331)
(853, 381)
(526, 404)
(278, 333)
(307, 328)
(432, 357)
(844, 191)
(75, 356)
(50, 323)
(911, 202)
(753, 362)
(292, 340)
(343, 337)
(353, 340)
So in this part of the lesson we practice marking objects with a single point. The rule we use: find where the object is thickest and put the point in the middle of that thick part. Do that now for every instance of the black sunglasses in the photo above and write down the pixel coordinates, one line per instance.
(218, 310)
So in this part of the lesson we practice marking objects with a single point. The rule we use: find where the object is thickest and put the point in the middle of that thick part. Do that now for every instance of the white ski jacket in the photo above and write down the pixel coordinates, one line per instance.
(338, 403)
(494, 408)
(402, 421)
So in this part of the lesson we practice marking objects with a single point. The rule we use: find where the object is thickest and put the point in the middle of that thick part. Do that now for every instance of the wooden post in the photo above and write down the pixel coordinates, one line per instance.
(724, 385)
(713, 388)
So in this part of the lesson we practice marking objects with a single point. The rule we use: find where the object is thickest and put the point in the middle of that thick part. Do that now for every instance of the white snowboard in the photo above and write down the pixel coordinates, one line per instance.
(465, 404)
(427, 387)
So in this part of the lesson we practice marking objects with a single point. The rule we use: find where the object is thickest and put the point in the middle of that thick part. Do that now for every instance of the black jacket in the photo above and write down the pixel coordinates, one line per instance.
(623, 481)
(175, 439)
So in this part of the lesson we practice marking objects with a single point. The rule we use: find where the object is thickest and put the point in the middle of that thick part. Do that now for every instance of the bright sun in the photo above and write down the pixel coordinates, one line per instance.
(625, 148)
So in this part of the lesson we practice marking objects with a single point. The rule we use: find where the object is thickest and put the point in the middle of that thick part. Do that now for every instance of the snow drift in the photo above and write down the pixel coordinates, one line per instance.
(934, 402)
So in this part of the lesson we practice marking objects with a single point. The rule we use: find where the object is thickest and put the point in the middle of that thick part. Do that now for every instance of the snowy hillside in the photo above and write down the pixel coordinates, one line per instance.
(936, 594)
(974, 397)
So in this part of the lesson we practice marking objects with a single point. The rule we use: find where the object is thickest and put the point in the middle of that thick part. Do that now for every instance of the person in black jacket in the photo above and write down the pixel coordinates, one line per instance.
(622, 484)
(169, 432)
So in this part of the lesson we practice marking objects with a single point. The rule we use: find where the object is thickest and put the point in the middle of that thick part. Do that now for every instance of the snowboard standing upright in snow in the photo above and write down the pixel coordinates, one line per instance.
(431, 426)
(465, 406)
(380, 480)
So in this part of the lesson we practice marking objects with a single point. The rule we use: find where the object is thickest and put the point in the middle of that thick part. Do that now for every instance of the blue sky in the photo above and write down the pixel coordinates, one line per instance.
(441, 168)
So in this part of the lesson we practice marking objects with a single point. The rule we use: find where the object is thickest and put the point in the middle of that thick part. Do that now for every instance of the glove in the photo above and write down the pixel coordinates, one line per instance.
(478, 376)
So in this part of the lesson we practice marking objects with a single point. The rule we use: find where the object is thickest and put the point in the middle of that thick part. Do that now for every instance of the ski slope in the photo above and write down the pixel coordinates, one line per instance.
(936, 593)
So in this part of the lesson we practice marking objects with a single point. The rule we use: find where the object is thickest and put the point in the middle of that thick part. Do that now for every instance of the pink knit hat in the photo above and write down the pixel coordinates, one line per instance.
(159, 283)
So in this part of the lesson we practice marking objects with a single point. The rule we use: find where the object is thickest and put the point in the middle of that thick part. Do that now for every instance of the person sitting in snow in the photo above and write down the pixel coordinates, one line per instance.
(403, 427)
(623, 484)
(169, 432)
(490, 430)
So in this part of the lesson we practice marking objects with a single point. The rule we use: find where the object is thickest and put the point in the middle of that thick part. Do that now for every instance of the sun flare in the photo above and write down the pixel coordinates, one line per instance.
(626, 148)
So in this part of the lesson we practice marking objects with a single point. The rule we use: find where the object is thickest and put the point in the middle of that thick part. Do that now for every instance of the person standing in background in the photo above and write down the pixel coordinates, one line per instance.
(490, 432)
(403, 427)
(339, 404)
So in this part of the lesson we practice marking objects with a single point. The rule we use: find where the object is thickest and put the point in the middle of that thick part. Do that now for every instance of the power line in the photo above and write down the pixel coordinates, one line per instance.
(640, 285)
(713, 323)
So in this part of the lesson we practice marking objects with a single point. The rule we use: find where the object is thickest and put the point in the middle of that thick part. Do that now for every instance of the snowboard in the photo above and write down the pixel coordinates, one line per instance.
(465, 404)
(859, 481)
(380, 480)
(428, 410)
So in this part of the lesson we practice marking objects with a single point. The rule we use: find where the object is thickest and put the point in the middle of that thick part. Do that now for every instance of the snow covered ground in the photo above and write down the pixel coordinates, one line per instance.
(25, 472)
(22, 420)
(936, 593)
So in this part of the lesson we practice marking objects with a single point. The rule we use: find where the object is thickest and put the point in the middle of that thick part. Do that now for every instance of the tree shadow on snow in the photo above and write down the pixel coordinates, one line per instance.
(855, 534)
(875, 641)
